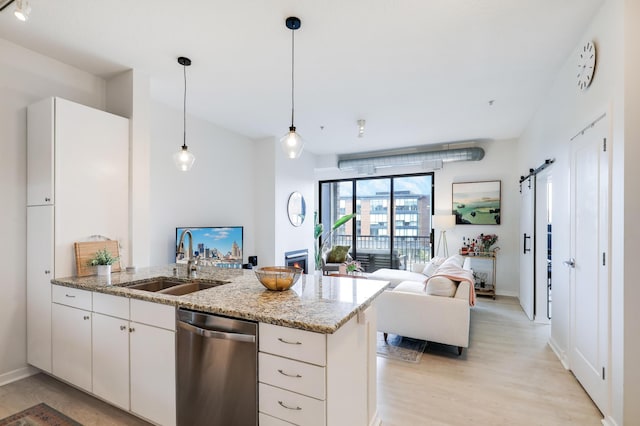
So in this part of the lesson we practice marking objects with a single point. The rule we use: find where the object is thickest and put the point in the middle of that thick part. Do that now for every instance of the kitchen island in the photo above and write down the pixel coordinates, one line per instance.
(335, 315)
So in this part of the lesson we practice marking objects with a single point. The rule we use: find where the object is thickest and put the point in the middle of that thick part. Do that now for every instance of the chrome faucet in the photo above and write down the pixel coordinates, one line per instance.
(191, 267)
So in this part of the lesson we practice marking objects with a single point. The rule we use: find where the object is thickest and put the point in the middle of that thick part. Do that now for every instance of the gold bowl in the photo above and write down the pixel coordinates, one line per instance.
(278, 278)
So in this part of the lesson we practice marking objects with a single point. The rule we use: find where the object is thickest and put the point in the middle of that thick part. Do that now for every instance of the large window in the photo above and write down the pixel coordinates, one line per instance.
(392, 227)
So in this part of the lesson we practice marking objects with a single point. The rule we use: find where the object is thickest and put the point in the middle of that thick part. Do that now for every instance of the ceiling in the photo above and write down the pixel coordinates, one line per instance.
(418, 71)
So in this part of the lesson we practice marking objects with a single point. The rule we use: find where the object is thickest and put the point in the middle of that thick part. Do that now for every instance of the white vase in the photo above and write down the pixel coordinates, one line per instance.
(104, 270)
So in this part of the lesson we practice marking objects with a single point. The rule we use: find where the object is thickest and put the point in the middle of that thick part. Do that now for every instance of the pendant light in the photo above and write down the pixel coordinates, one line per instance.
(183, 158)
(23, 9)
(292, 142)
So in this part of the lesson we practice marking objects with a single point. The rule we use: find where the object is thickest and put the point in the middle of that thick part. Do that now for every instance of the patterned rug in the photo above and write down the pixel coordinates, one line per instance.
(400, 348)
(38, 415)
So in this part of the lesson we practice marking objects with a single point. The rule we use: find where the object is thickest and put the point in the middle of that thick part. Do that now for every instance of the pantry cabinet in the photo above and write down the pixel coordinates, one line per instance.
(77, 187)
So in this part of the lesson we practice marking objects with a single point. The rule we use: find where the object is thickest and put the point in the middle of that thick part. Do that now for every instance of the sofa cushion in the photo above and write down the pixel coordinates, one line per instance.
(411, 287)
(433, 265)
(338, 254)
(456, 260)
(441, 286)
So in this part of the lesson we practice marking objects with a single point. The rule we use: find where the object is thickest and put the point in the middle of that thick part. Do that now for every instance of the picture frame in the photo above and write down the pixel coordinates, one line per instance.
(476, 203)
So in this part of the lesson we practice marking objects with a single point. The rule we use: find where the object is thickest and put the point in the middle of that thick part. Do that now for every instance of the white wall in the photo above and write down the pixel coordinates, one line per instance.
(217, 191)
(25, 77)
(497, 164)
(565, 112)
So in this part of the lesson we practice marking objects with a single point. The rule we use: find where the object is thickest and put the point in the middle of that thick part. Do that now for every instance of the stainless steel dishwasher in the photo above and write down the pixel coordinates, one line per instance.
(217, 365)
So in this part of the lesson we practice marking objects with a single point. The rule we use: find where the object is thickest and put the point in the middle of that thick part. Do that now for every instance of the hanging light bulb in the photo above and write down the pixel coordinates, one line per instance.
(184, 159)
(292, 143)
(361, 128)
(23, 9)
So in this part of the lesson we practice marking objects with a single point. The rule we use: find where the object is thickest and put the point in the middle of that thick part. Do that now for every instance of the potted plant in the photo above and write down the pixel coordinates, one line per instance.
(353, 266)
(321, 237)
(103, 260)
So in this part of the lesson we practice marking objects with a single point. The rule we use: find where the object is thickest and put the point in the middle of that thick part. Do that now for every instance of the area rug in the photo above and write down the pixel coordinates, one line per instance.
(38, 415)
(400, 348)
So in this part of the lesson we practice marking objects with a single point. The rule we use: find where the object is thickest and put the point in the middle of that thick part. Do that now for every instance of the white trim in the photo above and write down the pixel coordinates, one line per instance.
(509, 294)
(18, 374)
(608, 421)
(375, 420)
(562, 356)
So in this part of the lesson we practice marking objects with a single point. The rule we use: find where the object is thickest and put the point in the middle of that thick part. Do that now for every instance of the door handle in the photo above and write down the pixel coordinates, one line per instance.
(238, 337)
(571, 263)
(524, 243)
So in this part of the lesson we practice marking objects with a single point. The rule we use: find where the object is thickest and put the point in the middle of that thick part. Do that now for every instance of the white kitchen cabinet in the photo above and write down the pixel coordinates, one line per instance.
(39, 274)
(77, 186)
(71, 345)
(110, 354)
(309, 378)
(153, 373)
(134, 363)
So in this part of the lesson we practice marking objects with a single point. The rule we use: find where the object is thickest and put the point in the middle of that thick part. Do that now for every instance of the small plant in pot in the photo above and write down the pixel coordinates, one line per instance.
(103, 259)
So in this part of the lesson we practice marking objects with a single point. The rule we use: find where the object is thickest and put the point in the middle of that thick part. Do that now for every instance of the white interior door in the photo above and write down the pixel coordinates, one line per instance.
(527, 223)
(588, 353)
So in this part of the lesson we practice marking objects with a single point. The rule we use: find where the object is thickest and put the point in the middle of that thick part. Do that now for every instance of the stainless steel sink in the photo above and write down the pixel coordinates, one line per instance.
(173, 287)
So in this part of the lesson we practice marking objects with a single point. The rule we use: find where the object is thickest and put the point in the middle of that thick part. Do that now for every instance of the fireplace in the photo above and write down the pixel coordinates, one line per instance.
(298, 258)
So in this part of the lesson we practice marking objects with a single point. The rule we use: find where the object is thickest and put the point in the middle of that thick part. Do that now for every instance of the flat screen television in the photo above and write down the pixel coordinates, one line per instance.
(219, 246)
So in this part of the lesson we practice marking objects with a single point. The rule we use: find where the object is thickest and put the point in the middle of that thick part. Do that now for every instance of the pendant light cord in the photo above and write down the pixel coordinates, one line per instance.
(184, 110)
(292, 73)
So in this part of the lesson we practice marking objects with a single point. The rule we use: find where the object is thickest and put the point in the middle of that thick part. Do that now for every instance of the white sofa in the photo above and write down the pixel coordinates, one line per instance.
(407, 310)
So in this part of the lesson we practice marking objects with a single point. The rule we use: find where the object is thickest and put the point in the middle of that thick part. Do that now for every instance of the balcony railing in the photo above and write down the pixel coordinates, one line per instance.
(374, 252)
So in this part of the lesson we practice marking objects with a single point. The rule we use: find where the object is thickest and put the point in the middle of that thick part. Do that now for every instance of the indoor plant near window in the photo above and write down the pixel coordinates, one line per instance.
(322, 238)
(103, 260)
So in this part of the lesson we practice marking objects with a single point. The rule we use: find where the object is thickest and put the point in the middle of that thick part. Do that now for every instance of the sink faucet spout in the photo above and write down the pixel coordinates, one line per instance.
(180, 250)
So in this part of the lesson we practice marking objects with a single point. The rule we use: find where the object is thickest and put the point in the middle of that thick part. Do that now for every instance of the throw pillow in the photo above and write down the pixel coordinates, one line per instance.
(441, 286)
(456, 260)
(338, 254)
(432, 266)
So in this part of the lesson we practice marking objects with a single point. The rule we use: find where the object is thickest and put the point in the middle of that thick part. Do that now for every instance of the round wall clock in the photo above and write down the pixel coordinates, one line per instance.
(586, 65)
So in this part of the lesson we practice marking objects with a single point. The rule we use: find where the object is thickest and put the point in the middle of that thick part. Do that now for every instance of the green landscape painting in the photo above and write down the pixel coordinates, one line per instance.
(476, 203)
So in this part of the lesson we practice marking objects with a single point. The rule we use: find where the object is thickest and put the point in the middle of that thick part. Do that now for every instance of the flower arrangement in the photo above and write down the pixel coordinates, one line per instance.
(353, 266)
(486, 241)
(321, 237)
(103, 257)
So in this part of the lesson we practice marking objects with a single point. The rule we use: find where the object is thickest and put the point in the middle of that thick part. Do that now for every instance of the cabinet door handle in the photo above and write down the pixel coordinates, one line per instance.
(47, 199)
(131, 330)
(289, 343)
(86, 317)
(297, 376)
(282, 404)
(123, 327)
(70, 295)
(46, 271)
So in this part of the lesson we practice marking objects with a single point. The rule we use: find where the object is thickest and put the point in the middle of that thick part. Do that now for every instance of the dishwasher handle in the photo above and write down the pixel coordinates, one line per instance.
(237, 337)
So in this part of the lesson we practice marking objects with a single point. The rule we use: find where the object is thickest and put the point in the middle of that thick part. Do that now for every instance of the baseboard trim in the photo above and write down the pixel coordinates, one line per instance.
(559, 353)
(507, 293)
(608, 421)
(18, 374)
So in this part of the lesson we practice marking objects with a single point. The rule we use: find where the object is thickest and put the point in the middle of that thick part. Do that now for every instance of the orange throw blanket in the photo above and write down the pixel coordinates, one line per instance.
(456, 273)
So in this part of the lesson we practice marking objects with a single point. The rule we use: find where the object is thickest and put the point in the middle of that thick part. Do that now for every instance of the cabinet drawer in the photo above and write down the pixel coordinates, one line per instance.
(295, 376)
(265, 420)
(71, 297)
(293, 343)
(292, 407)
(155, 314)
(115, 306)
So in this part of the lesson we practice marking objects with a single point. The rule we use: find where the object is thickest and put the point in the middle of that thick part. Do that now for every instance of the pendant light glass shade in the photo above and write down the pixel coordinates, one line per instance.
(292, 143)
(184, 159)
(23, 9)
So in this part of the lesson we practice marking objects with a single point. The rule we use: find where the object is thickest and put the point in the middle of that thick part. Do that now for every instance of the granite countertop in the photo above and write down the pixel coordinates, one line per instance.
(315, 303)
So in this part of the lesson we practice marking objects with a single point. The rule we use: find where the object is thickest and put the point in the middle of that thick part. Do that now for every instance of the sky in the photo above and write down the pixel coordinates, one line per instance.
(219, 238)
(414, 184)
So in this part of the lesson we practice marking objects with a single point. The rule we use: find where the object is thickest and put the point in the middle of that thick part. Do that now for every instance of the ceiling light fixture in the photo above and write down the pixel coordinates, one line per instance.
(292, 142)
(361, 128)
(23, 9)
(184, 159)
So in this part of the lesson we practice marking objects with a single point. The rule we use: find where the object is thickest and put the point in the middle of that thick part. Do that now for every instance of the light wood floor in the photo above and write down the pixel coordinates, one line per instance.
(508, 376)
